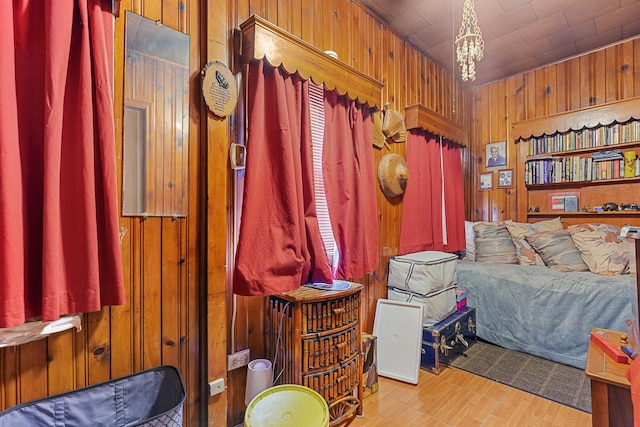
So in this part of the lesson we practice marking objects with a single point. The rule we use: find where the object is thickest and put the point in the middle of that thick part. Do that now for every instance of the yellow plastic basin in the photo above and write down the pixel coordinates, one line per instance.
(287, 405)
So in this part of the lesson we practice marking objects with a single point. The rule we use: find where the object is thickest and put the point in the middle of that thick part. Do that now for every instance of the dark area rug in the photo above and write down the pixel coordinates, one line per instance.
(560, 383)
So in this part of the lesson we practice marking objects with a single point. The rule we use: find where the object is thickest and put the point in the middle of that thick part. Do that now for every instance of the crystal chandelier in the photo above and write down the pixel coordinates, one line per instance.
(469, 43)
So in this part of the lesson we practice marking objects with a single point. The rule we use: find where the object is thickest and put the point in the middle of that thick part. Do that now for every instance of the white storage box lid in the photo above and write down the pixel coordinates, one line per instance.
(426, 257)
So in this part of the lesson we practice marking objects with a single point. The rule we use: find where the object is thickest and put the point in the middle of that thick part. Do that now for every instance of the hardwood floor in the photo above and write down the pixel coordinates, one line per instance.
(458, 398)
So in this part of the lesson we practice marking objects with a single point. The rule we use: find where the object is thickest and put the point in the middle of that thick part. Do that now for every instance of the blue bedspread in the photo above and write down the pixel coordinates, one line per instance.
(543, 312)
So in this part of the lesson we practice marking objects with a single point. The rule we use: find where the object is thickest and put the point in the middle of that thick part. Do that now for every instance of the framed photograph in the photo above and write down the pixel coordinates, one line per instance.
(496, 154)
(486, 181)
(567, 201)
(505, 178)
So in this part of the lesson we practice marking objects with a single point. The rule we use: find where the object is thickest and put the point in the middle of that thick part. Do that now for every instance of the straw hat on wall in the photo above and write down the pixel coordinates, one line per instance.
(393, 175)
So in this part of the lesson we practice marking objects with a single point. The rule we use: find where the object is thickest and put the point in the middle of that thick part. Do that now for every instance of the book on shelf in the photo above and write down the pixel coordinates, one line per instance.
(607, 155)
(571, 204)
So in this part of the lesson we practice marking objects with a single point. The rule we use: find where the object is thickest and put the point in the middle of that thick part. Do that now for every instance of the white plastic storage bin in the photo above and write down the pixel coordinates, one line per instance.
(423, 272)
(436, 306)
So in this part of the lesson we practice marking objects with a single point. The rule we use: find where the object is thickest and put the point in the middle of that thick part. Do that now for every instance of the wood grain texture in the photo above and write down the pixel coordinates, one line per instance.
(179, 300)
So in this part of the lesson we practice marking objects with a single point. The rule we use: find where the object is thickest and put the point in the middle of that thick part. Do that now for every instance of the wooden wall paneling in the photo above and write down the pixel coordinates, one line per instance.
(328, 42)
(625, 68)
(152, 265)
(315, 19)
(184, 144)
(422, 75)
(497, 132)
(611, 73)
(304, 15)
(515, 97)
(386, 60)
(341, 29)
(480, 129)
(357, 39)
(375, 49)
(297, 18)
(192, 349)
(632, 76)
(437, 89)
(161, 140)
(271, 11)
(32, 383)
(216, 139)
(98, 339)
(412, 75)
(121, 320)
(585, 83)
(9, 376)
(447, 80)
(561, 87)
(60, 373)
(135, 259)
(572, 83)
(551, 89)
(171, 15)
(398, 72)
(543, 90)
(153, 10)
(171, 315)
(598, 77)
(530, 92)
(169, 152)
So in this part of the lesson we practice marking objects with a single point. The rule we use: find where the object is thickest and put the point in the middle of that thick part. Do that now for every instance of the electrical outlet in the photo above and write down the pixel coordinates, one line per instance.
(238, 359)
(216, 386)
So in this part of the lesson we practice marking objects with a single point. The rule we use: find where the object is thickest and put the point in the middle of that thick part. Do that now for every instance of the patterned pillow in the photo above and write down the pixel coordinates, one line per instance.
(494, 244)
(601, 248)
(470, 237)
(557, 250)
(526, 254)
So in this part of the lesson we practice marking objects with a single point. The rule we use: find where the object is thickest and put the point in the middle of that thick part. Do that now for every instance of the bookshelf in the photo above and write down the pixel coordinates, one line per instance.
(581, 153)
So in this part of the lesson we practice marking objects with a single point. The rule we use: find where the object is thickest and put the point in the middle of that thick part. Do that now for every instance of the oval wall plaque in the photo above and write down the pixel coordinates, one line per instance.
(219, 88)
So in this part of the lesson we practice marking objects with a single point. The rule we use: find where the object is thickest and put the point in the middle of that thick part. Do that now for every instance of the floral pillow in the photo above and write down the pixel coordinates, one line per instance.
(517, 230)
(493, 243)
(601, 248)
(557, 250)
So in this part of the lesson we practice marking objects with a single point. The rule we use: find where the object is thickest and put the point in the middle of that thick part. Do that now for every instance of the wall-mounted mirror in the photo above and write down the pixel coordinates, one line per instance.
(156, 119)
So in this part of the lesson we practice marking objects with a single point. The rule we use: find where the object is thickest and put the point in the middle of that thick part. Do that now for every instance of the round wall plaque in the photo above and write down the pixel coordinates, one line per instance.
(219, 88)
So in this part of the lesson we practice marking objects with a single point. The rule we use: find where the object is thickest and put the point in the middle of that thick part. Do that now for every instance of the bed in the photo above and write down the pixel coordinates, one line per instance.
(544, 312)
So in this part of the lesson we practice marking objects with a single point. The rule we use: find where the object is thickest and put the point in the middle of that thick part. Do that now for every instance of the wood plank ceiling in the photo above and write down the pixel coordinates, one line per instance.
(519, 35)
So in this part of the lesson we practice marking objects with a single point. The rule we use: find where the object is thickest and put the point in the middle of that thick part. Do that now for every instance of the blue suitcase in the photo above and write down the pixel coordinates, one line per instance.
(448, 339)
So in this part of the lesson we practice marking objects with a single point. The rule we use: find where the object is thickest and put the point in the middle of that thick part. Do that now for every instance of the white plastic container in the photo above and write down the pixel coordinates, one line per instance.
(423, 272)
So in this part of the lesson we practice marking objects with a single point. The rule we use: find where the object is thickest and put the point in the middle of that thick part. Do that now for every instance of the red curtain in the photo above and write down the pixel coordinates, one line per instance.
(279, 244)
(350, 182)
(434, 191)
(59, 244)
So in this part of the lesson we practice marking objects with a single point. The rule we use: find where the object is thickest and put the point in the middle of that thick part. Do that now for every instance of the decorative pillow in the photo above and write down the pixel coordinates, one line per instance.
(494, 244)
(470, 237)
(557, 250)
(525, 253)
(601, 248)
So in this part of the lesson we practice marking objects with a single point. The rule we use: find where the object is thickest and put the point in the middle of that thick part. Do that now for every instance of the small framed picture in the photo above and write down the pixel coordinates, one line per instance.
(496, 154)
(505, 178)
(564, 202)
(486, 181)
